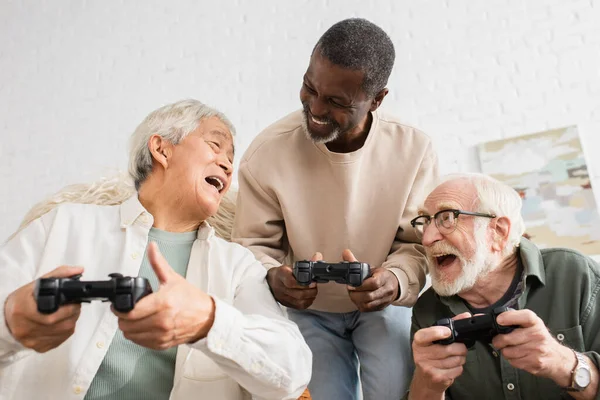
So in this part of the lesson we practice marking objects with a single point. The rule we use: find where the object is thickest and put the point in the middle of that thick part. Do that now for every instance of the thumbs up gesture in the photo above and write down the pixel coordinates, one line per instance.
(177, 313)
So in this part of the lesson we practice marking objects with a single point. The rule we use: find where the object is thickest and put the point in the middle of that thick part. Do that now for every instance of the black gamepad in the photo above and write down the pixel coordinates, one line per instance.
(346, 272)
(479, 327)
(122, 291)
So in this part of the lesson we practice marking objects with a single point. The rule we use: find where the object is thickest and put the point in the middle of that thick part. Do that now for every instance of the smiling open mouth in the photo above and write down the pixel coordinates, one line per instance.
(318, 122)
(216, 182)
(445, 259)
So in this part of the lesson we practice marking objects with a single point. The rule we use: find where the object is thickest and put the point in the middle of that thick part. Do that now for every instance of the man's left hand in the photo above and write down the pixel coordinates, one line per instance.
(177, 313)
(532, 348)
(377, 292)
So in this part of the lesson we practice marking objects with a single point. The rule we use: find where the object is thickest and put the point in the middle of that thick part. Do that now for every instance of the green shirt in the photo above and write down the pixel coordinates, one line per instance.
(130, 371)
(562, 287)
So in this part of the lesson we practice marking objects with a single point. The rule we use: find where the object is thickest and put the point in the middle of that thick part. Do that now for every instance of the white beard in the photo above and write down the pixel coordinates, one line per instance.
(315, 138)
(472, 269)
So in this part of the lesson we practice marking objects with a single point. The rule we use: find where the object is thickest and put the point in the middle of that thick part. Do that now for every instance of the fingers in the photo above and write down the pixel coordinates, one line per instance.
(375, 305)
(373, 282)
(523, 318)
(151, 340)
(426, 336)
(287, 278)
(64, 312)
(317, 257)
(147, 306)
(369, 300)
(63, 272)
(370, 284)
(293, 303)
(302, 294)
(464, 315)
(161, 267)
(348, 256)
(159, 322)
(452, 362)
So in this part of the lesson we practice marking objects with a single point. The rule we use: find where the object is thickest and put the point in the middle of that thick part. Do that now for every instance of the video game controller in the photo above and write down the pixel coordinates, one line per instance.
(479, 327)
(122, 291)
(346, 272)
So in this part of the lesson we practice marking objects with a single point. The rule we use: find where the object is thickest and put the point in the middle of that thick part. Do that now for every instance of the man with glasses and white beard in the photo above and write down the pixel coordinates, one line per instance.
(471, 228)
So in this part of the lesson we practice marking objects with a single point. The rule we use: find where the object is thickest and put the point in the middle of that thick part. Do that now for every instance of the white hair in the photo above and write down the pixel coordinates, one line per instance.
(173, 123)
(495, 197)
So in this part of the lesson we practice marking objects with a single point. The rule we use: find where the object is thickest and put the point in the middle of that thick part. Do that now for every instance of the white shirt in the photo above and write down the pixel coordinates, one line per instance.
(251, 344)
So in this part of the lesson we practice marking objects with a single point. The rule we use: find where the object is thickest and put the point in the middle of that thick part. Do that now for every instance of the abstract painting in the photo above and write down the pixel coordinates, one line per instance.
(549, 171)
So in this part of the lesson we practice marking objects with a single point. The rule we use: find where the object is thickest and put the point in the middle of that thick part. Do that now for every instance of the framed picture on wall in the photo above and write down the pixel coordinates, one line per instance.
(549, 171)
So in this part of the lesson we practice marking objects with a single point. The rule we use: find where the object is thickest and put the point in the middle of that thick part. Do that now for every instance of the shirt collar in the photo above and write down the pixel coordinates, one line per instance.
(133, 211)
(533, 263)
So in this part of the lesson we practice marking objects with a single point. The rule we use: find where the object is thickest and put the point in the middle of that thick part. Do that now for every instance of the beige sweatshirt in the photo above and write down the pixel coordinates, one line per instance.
(296, 198)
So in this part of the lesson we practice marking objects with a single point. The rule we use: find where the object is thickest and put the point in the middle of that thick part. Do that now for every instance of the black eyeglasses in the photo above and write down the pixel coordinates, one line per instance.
(445, 221)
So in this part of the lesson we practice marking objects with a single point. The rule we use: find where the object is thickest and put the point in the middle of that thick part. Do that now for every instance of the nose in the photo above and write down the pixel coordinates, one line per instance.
(225, 164)
(431, 234)
(318, 107)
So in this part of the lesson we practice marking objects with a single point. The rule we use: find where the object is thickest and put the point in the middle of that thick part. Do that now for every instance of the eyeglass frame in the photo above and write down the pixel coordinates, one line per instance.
(456, 213)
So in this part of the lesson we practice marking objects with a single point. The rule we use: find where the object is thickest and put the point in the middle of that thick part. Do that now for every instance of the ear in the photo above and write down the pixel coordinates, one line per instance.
(500, 231)
(160, 149)
(378, 99)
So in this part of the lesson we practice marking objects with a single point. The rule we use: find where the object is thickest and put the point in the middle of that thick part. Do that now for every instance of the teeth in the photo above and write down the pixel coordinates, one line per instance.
(318, 122)
(220, 185)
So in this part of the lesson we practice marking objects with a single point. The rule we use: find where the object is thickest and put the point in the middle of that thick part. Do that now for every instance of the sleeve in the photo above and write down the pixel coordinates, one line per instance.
(255, 343)
(258, 223)
(414, 327)
(407, 258)
(590, 320)
(19, 262)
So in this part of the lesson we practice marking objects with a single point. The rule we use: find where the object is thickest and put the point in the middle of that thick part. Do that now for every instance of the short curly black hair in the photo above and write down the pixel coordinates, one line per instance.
(358, 44)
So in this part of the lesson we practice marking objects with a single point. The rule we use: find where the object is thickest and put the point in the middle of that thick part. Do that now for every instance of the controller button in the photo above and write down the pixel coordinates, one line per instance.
(354, 279)
(123, 302)
(47, 303)
(303, 276)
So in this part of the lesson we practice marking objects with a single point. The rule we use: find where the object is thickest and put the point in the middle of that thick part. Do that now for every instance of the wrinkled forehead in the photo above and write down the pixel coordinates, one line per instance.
(456, 194)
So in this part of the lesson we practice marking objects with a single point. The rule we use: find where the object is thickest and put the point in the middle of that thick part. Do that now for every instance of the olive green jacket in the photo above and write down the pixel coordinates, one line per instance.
(562, 287)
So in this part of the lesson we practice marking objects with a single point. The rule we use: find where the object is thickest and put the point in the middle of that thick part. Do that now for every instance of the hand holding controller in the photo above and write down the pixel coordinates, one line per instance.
(345, 272)
(40, 332)
(469, 330)
(122, 292)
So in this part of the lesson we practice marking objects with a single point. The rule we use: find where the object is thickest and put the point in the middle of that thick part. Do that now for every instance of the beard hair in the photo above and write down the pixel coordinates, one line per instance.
(335, 133)
(472, 269)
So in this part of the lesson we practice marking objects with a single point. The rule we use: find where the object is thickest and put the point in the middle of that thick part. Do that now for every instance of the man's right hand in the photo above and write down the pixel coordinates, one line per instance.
(34, 330)
(436, 365)
(286, 290)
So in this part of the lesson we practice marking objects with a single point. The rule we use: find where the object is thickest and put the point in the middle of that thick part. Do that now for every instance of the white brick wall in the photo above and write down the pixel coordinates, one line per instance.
(76, 77)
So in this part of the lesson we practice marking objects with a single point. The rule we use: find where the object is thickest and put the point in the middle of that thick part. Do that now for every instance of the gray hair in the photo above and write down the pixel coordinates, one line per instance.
(173, 123)
(495, 197)
(358, 44)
